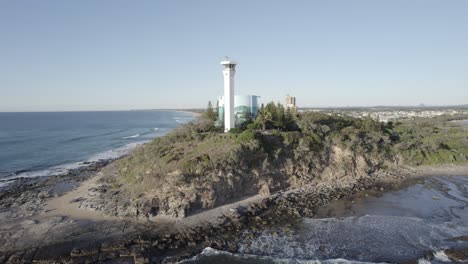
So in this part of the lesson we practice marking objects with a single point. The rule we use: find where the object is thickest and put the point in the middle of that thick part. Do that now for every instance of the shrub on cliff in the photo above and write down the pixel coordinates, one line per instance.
(246, 135)
(428, 141)
(196, 167)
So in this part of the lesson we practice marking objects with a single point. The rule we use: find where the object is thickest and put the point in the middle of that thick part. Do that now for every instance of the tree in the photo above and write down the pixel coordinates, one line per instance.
(280, 121)
(210, 113)
(271, 108)
(289, 119)
(264, 117)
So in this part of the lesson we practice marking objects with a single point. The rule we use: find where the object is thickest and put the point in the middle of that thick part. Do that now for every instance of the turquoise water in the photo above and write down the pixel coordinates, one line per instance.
(39, 144)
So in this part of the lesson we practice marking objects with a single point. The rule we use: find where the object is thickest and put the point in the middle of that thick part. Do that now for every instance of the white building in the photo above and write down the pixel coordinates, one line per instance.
(229, 72)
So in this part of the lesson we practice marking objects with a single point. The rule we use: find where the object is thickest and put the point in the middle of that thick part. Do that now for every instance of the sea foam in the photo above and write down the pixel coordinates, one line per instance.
(132, 136)
(66, 167)
(250, 258)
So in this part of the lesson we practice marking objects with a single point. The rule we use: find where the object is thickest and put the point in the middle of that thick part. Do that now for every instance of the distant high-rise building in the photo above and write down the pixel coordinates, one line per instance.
(229, 72)
(291, 102)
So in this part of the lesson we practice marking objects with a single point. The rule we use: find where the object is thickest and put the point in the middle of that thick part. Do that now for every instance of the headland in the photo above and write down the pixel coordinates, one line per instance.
(196, 188)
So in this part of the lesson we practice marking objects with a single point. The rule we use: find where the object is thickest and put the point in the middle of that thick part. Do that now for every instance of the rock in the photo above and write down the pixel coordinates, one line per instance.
(15, 258)
(161, 247)
(76, 252)
(191, 244)
(139, 258)
(29, 222)
(264, 190)
(460, 238)
(125, 253)
(77, 200)
(232, 247)
(457, 255)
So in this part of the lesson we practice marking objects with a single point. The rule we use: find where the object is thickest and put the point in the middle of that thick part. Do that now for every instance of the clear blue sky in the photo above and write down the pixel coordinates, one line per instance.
(110, 55)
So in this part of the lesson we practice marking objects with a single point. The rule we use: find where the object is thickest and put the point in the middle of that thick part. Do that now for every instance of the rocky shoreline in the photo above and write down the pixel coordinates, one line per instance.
(32, 192)
(24, 213)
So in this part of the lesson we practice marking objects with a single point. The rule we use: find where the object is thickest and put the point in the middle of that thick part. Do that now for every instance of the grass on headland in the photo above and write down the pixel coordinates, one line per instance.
(196, 159)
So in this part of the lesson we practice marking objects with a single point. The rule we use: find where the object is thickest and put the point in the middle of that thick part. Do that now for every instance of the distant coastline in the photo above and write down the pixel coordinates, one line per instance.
(194, 112)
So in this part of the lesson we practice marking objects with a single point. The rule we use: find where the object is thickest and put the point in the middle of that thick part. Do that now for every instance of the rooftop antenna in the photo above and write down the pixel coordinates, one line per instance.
(226, 57)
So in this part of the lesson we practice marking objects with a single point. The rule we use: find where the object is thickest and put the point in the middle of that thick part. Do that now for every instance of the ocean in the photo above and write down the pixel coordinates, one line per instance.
(50, 143)
(399, 226)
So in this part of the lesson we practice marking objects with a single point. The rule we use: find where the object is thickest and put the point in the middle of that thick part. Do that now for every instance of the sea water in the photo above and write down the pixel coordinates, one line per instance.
(394, 227)
(49, 143)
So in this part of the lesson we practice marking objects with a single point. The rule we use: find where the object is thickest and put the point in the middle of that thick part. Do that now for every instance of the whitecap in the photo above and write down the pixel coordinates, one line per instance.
(423, 261)
(440, 255)
(66, 167)
(210, 252)
(390, 236)
(132, 136)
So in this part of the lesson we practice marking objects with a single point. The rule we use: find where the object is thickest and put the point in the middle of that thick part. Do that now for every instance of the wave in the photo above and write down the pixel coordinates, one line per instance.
(66, 167)
(132, 136)
(439, 257)
(63, 168)
(182, 120)
(390, 238)
(150, 131)
(210, 253)
(117, 152)
(94, 135)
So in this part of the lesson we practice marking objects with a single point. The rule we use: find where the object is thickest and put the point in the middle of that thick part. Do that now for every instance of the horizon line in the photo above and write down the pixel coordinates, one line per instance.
(202, 108)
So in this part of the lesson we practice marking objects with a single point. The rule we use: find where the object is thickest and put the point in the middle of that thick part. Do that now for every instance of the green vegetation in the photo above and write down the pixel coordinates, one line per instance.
(274, 116)
(210, 113)
(194, 164)
(277, 135)
(432, 141)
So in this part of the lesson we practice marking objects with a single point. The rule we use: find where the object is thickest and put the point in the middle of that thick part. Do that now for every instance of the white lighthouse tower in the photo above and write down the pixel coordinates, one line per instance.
(229, 72)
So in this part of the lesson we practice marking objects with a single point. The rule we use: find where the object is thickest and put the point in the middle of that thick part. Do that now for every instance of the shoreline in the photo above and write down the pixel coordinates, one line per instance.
(73, 168)
(441, 170)
(58, 214)
(70, 167)
(193, 113)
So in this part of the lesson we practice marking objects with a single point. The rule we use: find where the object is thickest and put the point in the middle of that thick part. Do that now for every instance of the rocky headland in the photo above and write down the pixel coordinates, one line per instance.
(197, 188)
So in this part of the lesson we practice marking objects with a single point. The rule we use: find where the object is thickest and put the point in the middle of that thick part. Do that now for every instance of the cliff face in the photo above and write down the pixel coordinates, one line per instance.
(178, 174)
(193, 168)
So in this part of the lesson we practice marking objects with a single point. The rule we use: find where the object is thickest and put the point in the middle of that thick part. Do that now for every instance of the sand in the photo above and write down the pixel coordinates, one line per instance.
(57, 218)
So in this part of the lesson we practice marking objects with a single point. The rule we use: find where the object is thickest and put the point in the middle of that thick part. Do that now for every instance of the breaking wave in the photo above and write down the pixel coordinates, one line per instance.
(66, 167)
(210, 255)
(132, 136)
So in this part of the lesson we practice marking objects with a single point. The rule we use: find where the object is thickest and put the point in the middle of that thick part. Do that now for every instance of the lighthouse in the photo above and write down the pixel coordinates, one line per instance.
(229, 71)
